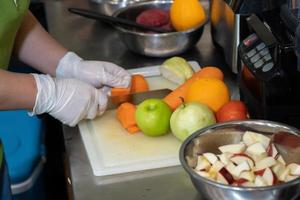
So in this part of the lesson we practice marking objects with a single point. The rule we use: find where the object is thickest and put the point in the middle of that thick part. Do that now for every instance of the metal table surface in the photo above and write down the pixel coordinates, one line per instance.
(95, 40)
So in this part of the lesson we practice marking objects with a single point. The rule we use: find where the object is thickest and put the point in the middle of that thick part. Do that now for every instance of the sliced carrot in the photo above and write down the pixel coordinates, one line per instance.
(126, 116)
(139, 83)
(173, 99)
(133, 129)
(120, 91)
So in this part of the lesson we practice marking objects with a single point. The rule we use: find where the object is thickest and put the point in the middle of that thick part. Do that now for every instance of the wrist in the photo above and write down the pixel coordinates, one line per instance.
(67, 66)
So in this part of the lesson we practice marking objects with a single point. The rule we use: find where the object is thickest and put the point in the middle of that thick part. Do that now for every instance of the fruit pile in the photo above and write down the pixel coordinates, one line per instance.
(201, 99)
(183, 15)
(253, 162)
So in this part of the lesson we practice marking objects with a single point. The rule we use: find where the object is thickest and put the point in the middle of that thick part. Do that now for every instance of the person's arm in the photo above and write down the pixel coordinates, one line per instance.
(36, 47)
(68, 100)
(17, 91)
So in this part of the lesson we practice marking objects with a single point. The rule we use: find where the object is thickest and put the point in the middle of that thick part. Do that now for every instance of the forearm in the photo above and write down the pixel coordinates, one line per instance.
(35, 47)
(17, 91)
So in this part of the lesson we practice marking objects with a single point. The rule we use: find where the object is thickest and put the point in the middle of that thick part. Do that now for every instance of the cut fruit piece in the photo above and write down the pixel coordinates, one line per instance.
(250, 138)
(280, 159)
(269, 177)
(176, 70)
(278, 168)
(212, 158)
(259, 172)
(294, 169)
(290, 178)
(239, 158)
(272, 151)
(244, 166)
(240, 181)
(256, 149)
(247, 175)
(283, 174)
(231, 168)
(224, 174)
(202, 163)
(225, 157)
(248, 184)
(233, 148)
(259, 181)
(217, 166)
(265, 163)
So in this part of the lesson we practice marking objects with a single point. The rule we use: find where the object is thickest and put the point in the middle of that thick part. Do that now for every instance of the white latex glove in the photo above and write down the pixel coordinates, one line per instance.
(96, 73)
(68, 100)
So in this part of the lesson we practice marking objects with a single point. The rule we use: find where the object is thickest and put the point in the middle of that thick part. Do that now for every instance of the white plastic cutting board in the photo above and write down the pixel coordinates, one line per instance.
(112, 150)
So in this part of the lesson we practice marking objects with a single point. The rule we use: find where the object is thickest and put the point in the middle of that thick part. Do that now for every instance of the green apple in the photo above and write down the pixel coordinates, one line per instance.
(190, 117)
(153, 117)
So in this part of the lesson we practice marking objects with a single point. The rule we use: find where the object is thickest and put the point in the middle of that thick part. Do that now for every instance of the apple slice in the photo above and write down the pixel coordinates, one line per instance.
(217, 166)
(240, 181)
(202, 163)
(212, 158)
(264, 163)
(250, 138)
(241, 157)
(231, 168)
(259, 172)
(283, 174)
(256, 149)
(272, 151)
(233, 148)
(248, 184)
(278, 168)
(244, 166)
(290, 178)
(225, 157)
(224, 174)
(259, 181)
(280, 159)
(205, 174)
(269, 177)
(294, 169)
(247, 175)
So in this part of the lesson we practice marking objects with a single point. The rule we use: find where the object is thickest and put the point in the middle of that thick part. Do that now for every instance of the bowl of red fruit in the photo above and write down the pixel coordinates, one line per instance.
(168, 42)
(244, 160)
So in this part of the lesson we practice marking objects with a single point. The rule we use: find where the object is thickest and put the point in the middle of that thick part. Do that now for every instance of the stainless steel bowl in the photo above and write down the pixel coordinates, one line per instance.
(285, 138)
(155, 44)
(108, 7)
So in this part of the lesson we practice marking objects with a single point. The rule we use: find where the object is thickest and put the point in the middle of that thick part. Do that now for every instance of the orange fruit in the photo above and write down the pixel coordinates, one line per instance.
(211, 72)
(210, 91)
(186, 14)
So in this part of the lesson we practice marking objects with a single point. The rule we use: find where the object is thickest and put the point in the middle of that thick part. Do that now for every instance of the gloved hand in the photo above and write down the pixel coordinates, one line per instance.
(68, 100)
(96, 73)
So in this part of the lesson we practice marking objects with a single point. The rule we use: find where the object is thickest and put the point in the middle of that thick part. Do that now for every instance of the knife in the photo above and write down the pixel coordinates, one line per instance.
(136, 98)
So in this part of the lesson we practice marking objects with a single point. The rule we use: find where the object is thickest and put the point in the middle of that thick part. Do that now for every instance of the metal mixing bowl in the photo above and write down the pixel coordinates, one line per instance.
(285, 138)
(155, 44)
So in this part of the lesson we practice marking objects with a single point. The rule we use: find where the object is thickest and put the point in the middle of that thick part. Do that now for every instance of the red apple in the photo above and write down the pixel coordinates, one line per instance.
(233, 110)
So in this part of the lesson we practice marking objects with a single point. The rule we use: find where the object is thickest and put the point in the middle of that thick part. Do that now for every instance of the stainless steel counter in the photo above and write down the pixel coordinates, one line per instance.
(94, 40)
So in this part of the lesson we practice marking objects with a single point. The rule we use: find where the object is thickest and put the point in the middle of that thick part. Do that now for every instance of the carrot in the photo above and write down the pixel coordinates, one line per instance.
(173, 99)
(120, 91)
(133, 129)
(139, 83)
(126, 115)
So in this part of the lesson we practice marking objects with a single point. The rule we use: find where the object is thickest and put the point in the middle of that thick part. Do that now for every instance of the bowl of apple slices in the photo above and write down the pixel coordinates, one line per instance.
(244, 160)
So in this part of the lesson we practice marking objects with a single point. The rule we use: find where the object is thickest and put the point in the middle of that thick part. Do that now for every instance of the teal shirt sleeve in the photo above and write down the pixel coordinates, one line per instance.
(11, 15)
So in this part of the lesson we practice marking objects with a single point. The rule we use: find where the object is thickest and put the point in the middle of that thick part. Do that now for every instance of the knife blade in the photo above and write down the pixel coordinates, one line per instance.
(136, 98)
